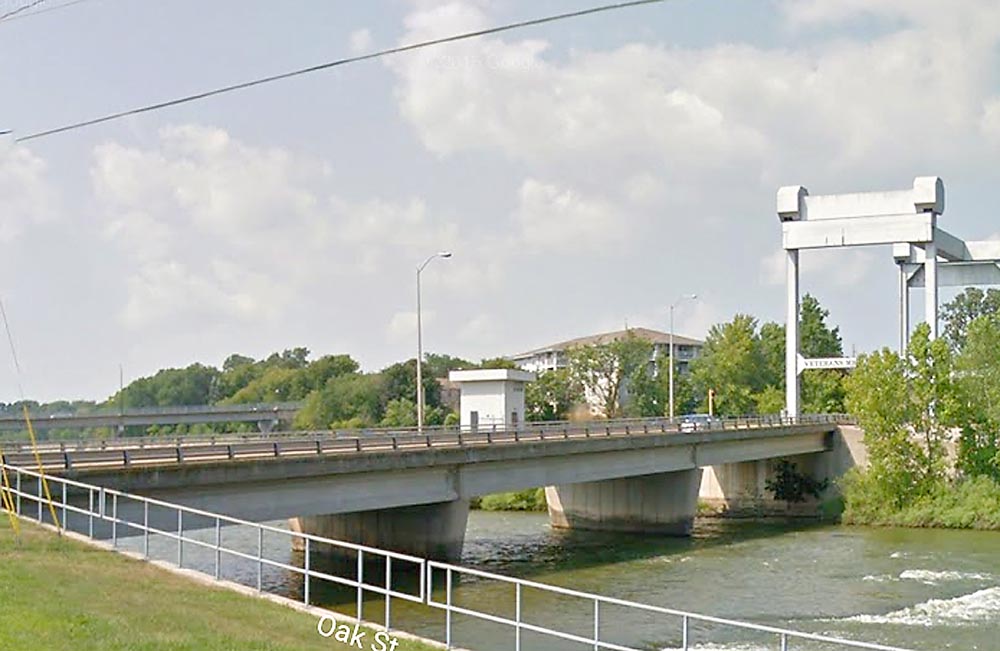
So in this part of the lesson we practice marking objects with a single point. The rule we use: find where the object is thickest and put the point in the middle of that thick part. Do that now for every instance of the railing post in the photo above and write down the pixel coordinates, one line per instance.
(308, 571)
(361, 581)
(517, 616)
(17, 482)
(90, 513)
(218, 548)
(260, 559)
(145, 530)
(39, 498)
(114, 520)
(180, 538)
(597, 624)
(447, 609)
(63, 523)
(388, 591)
(684, 633)
(784, 642)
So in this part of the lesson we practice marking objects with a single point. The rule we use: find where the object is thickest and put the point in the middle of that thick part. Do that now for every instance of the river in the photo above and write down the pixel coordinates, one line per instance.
(921, 589)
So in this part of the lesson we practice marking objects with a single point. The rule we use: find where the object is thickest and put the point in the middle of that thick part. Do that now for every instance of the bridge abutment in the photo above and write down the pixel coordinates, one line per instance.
(663, 503)
(435, 531)
(740, 489)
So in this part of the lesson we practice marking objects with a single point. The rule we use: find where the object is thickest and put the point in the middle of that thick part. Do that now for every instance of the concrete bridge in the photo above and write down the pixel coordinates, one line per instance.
(265, 415)
(410, 492)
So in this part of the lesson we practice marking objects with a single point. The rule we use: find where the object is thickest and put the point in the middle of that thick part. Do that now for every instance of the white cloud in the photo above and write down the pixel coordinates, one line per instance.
(213, 225)
(402, 325)
(707, 115)
(772, 268)
(551, 217)
(360, 41)
(840, 268)
(25, 195)
(480, 331)
(990, 123)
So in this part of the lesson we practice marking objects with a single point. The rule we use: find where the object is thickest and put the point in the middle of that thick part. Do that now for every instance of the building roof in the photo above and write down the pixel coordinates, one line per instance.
(652, 336)
(490, 375)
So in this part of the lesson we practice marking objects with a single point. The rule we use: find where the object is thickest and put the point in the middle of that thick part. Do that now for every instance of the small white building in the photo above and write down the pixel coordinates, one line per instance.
(491, 397)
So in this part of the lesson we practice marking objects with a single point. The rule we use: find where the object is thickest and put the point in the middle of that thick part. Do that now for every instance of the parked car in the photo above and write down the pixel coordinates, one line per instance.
(695, 422)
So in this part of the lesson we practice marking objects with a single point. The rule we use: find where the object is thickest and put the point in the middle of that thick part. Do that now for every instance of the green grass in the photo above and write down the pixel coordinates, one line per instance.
(59, 594)
(532, 499)
(967, 504)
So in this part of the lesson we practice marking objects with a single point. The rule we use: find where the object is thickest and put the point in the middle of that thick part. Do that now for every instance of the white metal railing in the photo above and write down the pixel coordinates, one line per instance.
(156, 450)
(783, 638)
(106, 506)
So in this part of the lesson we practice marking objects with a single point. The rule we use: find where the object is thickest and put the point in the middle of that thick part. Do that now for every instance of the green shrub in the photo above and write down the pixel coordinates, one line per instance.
(972, 503)
(532, 499)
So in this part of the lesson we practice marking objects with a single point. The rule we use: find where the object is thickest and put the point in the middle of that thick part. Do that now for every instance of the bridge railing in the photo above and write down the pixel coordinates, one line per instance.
(106, 412)
(131, 520)
(126, 452)
(595, 604)
(633, 424)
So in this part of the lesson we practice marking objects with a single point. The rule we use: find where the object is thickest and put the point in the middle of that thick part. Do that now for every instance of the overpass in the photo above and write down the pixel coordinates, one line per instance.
(410, 492)
(264, 414)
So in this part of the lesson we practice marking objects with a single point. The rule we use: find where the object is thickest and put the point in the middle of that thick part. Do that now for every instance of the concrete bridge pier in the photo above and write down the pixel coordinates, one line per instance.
(434, 531)
(664, 503)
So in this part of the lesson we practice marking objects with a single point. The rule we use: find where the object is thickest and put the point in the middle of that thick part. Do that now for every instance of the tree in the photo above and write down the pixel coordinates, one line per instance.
(902, 404)
(400, 381)
(604, 369)
(497, 362)
(352, 400)
(977, 403)
(401, 412)
(818, 339)
(731, 363)
(552, 396)
(965, 308)
(437, 366)
(791, 486)
(192, 385)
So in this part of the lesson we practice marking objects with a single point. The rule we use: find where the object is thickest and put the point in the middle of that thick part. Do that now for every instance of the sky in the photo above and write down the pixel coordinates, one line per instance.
(585, 174)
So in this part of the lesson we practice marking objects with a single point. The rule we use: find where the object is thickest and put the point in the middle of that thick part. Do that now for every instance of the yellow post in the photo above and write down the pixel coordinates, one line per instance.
(41, 468)
(8, 501)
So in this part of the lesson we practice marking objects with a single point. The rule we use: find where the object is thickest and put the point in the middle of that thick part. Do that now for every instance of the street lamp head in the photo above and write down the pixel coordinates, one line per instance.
(692, 296)
(444, 254)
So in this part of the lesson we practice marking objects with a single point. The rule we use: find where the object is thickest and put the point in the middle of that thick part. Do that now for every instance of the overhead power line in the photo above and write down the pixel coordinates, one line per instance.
(14, 12)
(17, 15)
(333, 64)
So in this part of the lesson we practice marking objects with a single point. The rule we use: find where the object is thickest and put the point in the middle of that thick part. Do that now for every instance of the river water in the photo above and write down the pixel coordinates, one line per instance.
(920, 589)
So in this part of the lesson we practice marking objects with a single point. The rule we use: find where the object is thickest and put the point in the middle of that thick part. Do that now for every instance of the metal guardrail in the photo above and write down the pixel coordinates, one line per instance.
(177, 450)
(106, 506)
(238, 408)
(152, 416)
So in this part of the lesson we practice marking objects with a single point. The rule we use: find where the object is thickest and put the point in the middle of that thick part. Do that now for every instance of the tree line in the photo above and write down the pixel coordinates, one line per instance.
(931, 419)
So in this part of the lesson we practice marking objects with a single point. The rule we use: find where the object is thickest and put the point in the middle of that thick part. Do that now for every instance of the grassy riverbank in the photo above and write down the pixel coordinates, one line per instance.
(532, 499)
(58, 594)
(970, 504)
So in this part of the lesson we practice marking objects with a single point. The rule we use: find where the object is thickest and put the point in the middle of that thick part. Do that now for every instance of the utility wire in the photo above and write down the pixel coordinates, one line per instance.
(333, 64)
(17, 15)
(30, 5)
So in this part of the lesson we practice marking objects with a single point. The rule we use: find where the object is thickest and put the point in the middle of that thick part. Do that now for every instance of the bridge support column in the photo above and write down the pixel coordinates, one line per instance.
(435, 531)
(664, 503)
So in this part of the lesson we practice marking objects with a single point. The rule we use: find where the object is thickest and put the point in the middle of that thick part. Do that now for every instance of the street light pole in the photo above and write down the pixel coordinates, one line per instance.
(671, 373)
(420, 344)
